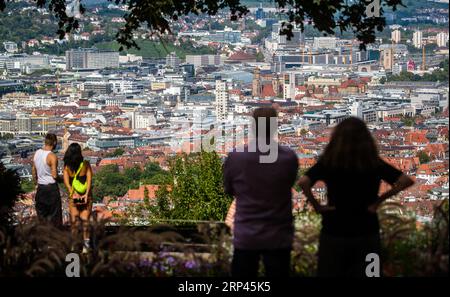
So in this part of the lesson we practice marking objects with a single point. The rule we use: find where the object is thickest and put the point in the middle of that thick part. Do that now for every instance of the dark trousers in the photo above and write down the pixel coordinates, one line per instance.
(346, 256)
(277, 263)
(48, 204)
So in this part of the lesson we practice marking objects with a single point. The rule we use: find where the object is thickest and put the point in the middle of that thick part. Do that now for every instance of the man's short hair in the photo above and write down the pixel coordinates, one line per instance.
(266, 113)
(50, 139)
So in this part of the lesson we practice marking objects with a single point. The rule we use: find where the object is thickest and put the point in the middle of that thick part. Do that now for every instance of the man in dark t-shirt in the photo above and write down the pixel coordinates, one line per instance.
(263, 224)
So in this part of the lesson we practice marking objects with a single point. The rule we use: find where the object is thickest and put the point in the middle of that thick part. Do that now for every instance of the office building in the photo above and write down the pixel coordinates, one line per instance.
(221, 100)
(417, 39)
(91, 58)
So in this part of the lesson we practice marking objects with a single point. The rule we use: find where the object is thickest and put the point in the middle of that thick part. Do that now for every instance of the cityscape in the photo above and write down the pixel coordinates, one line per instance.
(133, 110)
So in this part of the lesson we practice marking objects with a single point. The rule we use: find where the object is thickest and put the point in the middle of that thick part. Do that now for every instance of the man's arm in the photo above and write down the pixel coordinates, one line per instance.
(52, 161)
(34, 173)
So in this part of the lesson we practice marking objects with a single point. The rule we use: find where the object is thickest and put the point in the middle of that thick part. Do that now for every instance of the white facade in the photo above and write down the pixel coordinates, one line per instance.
(442, 39)
(222, 99)
(396, 36)
(417, 39)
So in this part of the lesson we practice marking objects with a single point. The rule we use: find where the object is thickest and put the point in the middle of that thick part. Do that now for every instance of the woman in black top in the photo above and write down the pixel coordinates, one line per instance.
(352, 171)
(80, 204)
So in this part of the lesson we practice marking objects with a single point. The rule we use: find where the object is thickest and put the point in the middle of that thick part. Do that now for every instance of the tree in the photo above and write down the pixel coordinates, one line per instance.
(324, 15)
(423, 157)
(11, 191)
(195, 191)
(259, 57)
(116, 153)
(108, 181)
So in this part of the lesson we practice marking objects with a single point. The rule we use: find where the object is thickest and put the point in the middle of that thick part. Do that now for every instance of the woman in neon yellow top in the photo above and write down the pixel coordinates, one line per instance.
(78, 181)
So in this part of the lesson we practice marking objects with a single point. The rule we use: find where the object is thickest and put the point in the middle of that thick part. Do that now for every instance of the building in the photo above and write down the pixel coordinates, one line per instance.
(203, 60)
(97, 87)
(398, 68)
(388, 59)
(418, 39)
(10, 47)
(256, 84)
(411, 66)
(91, 58)
(260, 13)
(227, 35)
(396, 36)
(143, 120)
(442, 39)
(324, 42)
(221, 100)
(172, 60)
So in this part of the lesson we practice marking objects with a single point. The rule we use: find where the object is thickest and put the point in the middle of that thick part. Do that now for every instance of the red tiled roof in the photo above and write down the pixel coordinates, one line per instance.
(241, 56)
(267, 91)
(138, 194)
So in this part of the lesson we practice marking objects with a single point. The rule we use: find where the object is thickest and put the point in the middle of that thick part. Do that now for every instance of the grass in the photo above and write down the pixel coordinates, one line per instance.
(156, 49)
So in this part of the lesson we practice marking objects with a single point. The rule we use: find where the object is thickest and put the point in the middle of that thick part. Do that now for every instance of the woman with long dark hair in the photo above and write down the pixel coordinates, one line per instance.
(78, 181)
(352, 170)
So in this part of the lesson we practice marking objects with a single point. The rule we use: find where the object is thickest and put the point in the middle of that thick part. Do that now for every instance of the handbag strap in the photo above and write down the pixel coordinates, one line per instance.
(75, 177)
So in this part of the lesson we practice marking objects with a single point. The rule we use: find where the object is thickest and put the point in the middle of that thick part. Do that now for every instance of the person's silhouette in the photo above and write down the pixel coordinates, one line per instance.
(352, 170)
(263, 216)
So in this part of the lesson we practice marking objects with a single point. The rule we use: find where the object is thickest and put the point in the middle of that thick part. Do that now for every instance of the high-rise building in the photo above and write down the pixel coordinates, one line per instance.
(91, 58)
(221, 100)
(172, 60)
(442, 39)
(388, 59)
(396, 36)
(417, 39)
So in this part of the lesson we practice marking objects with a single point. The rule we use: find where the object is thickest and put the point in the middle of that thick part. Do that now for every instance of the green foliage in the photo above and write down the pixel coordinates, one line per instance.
(27, 186)
(259, 57)
(423, 157)
(158, 16)
(109, 181)
(195, 191)
(437, 75)
(7, 136)
(408, 121)
(11, 191)
(116, 153)
(156, 49)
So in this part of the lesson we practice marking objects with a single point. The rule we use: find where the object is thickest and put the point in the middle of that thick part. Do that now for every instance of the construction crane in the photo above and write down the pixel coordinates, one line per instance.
(310, 60)
(57, 84)
(302, 50)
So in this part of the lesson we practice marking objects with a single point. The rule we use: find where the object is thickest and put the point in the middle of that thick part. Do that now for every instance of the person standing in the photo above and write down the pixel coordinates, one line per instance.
(352, 170)
(78, 181)
(263, 223)
(45, 174)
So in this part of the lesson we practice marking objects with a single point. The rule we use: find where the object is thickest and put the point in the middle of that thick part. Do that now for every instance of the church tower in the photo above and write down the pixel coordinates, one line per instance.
(256, 85)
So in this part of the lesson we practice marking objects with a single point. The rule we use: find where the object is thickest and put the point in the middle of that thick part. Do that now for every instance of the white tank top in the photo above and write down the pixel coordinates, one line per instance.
(44, 172)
